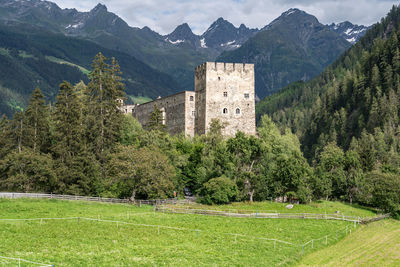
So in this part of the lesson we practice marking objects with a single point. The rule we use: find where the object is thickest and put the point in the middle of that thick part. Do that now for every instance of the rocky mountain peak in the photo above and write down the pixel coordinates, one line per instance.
(351, 32)
(99, 8)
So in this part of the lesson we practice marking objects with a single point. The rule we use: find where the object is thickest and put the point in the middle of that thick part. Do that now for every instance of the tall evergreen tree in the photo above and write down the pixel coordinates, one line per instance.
(68, 130)
(104, 116)
(36, 130)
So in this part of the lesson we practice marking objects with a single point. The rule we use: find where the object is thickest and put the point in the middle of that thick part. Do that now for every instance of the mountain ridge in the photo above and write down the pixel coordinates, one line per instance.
(308, 47)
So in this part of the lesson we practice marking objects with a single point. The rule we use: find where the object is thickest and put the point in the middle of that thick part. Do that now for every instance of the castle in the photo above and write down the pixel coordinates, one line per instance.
(223, 91)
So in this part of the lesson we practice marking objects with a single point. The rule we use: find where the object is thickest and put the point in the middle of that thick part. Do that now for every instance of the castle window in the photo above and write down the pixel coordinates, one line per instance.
(225, 94)
(225, 111)
(238, 111)
(246, 95)
(191, 98)
(219, 78)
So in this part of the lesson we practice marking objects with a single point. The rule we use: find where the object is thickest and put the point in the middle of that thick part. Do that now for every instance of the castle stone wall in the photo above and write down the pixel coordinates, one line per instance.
(173, 108)
(225, 92)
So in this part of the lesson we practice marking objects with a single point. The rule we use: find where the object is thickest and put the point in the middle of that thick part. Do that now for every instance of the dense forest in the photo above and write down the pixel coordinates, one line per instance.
(350, 111)
(83, 144)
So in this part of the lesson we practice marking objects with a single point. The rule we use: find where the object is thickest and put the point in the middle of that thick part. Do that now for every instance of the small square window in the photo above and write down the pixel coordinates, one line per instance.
(246, 95)
(225, 94)
(191, 98)
(238, 111)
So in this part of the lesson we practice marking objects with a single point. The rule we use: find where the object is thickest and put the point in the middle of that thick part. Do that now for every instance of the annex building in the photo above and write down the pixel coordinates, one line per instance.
(223, 91)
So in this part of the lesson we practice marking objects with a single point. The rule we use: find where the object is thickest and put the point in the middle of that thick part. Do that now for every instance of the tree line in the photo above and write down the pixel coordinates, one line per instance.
(83, 144)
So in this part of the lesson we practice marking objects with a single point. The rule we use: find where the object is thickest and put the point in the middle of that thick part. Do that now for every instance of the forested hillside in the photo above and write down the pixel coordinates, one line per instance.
(36, 58)
(355, 96)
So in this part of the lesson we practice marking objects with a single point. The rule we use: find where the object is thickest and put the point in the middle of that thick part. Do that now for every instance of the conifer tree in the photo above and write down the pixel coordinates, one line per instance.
(104, 116)
(36, 130)
(5, 140)
(156, 120)
(68, 126)
(17, 130)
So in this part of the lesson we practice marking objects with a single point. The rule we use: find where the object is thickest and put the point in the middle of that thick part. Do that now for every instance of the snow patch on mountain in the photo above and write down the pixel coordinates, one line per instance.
(203, 43)
(228, 43)
(74, 26)
(174, 42)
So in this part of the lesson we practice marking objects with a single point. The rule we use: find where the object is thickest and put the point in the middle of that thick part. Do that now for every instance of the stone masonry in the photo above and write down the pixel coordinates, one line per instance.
(223, 91)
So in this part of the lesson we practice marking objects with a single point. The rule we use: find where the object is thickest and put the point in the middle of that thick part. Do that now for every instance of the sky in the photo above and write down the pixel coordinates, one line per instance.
(163, 16)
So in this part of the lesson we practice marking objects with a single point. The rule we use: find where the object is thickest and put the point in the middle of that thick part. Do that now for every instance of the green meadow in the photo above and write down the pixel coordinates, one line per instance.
(126, 235)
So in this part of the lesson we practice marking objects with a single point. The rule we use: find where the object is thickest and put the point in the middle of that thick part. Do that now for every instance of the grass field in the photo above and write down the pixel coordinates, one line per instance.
(376, 244)
(200, 240)
(315, 207)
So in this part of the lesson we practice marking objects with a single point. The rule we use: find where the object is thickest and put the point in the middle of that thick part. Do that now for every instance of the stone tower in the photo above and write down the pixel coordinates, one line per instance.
(225, 91)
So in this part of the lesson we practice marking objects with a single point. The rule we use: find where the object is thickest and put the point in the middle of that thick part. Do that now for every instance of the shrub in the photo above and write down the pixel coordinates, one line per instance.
(219, 190)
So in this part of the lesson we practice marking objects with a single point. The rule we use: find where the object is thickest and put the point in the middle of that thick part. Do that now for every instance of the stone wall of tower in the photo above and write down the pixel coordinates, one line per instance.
(174, 108)
(200, 78)
(225, 91)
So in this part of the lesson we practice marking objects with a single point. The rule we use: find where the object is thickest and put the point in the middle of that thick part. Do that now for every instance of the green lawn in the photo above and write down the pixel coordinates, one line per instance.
(91, 243)
(376, 244)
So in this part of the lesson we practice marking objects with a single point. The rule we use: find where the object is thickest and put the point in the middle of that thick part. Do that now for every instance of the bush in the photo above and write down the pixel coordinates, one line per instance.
(383, 191)
(219, 190)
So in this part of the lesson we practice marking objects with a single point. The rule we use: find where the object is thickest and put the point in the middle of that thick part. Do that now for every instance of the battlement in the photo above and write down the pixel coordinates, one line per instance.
(222, 66)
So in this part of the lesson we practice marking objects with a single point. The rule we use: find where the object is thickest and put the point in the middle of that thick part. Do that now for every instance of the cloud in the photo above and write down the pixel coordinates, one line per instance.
(163, 16)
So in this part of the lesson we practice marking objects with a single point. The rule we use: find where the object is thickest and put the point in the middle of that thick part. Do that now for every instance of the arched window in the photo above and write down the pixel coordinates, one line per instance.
(225, 111)
(238, 111)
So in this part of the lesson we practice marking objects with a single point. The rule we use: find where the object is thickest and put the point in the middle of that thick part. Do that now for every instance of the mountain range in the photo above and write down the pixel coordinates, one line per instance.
(170, 59)
(353, 103)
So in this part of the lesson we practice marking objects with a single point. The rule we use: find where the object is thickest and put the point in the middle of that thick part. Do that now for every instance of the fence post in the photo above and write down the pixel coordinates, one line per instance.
(154, 209)
(140, 203)
(326, 240)
(235, 238)
(312, 243)
(19, 262)
(197, 233)
(302, 247)
(41, 221)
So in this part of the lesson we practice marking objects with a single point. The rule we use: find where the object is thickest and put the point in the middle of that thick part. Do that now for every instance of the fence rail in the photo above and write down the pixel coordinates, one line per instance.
(97, 199)
(252, 214)
(20, 261)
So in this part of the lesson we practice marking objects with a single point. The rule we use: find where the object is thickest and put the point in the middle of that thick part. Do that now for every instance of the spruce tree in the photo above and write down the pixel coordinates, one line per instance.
(68, 130)
(36, 130)
(104, 116)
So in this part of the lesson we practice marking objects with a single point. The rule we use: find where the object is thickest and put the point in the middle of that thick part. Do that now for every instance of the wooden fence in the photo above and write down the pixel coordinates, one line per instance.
(97, 199)
(256, 214)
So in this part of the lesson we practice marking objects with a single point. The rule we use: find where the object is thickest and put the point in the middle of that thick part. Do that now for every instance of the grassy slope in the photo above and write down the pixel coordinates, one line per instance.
(69, 243)
(377, 244)
(320, 207)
